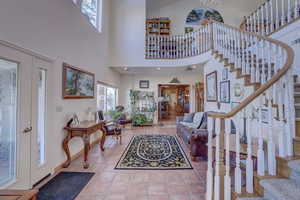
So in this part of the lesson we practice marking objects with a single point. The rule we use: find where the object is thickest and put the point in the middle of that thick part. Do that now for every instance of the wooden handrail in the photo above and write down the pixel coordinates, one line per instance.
(265, 86)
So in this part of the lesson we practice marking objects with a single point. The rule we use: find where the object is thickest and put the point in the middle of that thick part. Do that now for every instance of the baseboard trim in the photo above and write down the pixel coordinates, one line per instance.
(77, 155)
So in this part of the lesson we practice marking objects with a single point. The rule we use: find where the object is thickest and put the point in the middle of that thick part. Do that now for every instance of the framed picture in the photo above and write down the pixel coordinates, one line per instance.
(144, 84)
(76, 83)
(188, 29)
(264, 115)
(225, 92)
(225, 74)
(211, 87)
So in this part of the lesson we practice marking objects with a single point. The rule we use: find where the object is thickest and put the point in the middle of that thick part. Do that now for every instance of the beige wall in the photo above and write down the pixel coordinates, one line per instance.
(57, 28)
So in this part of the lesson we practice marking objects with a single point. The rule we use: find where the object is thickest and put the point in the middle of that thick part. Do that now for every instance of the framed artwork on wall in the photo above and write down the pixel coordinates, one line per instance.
(225, 92)
(211, 87)
(144, 84)
(264, 115)
(77, 83)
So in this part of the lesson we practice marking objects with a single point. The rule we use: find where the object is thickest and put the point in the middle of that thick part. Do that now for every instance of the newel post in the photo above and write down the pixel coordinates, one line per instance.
(220, 168)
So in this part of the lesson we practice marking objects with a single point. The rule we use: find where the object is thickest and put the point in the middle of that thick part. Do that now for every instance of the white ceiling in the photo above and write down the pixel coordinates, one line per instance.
(160, 71)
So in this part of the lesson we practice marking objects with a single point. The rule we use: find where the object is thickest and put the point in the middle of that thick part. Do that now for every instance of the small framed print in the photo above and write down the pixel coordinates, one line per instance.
(225, 74)
(144, 84)
(211, 87)
(188, 29)
(225, 92)
(264, 115)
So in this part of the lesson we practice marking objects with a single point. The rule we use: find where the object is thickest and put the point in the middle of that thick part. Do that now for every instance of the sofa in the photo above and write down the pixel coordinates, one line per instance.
(192, 129)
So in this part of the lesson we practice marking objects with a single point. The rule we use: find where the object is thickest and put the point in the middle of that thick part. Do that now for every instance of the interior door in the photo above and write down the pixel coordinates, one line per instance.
(15, 118)
(40, 166)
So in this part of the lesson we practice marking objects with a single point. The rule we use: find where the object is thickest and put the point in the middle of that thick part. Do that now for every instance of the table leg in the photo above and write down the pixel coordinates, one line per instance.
(86, 140)
(67, 150)
(102, 138)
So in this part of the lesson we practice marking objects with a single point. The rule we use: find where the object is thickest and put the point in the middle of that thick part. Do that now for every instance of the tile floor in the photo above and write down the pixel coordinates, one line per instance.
(111, 184)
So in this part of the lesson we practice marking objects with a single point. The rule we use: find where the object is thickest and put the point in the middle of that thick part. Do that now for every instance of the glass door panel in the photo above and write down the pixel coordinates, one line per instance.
(41, 94)
(8, 121)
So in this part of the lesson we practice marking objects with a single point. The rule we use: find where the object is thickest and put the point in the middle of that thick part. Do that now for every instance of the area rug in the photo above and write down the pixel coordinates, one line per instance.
(162, 152)
(64, 186)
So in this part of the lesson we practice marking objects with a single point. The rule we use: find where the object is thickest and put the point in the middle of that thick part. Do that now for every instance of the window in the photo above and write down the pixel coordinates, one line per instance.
(92, 9)
(107, 97)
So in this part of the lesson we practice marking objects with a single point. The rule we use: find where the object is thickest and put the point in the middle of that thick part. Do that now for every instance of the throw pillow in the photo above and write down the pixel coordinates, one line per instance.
(188, 117)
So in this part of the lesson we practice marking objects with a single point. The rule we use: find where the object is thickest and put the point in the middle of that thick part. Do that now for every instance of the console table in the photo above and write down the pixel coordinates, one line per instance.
(18, 194)
(84, 130)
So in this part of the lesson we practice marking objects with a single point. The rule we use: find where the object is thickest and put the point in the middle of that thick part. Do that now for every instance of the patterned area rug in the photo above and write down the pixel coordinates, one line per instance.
(154, 152)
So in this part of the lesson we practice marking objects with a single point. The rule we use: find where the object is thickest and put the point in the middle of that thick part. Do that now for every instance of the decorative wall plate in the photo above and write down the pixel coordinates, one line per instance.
(238, 91)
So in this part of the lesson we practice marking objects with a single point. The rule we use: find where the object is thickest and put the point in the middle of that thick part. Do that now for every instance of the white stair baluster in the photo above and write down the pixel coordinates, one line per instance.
(227, 159)
(257, 28)
(262, 20)
(260, 151)
(209, 175)
(288, 116)
(296, 14)
(249, 161)
(257, 71)
(217, 162)
(243, 53)
(266, 6)
(281, 133)
(237, 171)
(282, 13)
(272, 15)
(271, 147)
(289, 12)
(277, 14)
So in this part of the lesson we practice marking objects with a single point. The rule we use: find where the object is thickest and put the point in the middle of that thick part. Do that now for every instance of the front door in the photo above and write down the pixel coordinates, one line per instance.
(23, 119)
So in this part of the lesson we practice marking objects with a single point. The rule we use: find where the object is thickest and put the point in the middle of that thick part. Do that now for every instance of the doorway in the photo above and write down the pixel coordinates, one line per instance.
(174, 101)
(24, 116)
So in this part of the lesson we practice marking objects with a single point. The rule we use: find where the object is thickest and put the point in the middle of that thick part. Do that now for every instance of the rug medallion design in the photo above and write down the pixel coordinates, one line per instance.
(154, 152)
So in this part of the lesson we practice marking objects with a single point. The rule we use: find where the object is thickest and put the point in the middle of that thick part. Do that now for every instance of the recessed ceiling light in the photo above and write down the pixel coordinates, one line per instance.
(158, 68)
(126, 68)
(193, 66)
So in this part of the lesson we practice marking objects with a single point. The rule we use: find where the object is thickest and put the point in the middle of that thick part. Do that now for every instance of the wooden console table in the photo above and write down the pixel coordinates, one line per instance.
(18, 194)
(83, 130)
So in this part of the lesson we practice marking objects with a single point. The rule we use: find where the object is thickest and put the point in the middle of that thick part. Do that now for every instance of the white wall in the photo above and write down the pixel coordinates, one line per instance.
(132, 82)
(128, 27)
(288, 35)
(56, 28)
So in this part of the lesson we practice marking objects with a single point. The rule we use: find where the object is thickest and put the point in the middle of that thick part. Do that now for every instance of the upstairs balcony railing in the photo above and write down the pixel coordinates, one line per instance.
(272, 16)
(178, 46)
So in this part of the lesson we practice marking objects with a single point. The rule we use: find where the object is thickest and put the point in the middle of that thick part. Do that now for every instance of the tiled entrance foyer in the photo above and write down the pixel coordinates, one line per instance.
(111, 184)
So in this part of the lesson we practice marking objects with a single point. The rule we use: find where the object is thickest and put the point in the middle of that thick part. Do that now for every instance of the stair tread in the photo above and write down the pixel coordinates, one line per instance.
(283, 189)
(294, 165)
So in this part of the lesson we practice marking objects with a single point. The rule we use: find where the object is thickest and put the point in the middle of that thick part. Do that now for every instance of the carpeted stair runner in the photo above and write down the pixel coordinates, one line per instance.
(283, 188)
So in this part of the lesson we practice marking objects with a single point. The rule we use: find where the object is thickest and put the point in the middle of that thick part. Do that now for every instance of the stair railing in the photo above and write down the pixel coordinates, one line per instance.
(272, 16)
(178, 46)
(266, 64)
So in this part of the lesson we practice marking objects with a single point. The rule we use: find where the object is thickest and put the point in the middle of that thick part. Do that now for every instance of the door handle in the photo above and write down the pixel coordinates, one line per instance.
(27, 130)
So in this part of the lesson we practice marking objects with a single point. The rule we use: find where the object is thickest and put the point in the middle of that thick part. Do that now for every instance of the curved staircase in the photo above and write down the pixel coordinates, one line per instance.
(264, 64)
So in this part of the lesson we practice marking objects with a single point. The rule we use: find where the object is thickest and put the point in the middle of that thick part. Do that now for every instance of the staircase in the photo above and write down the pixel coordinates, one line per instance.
(267, 116)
